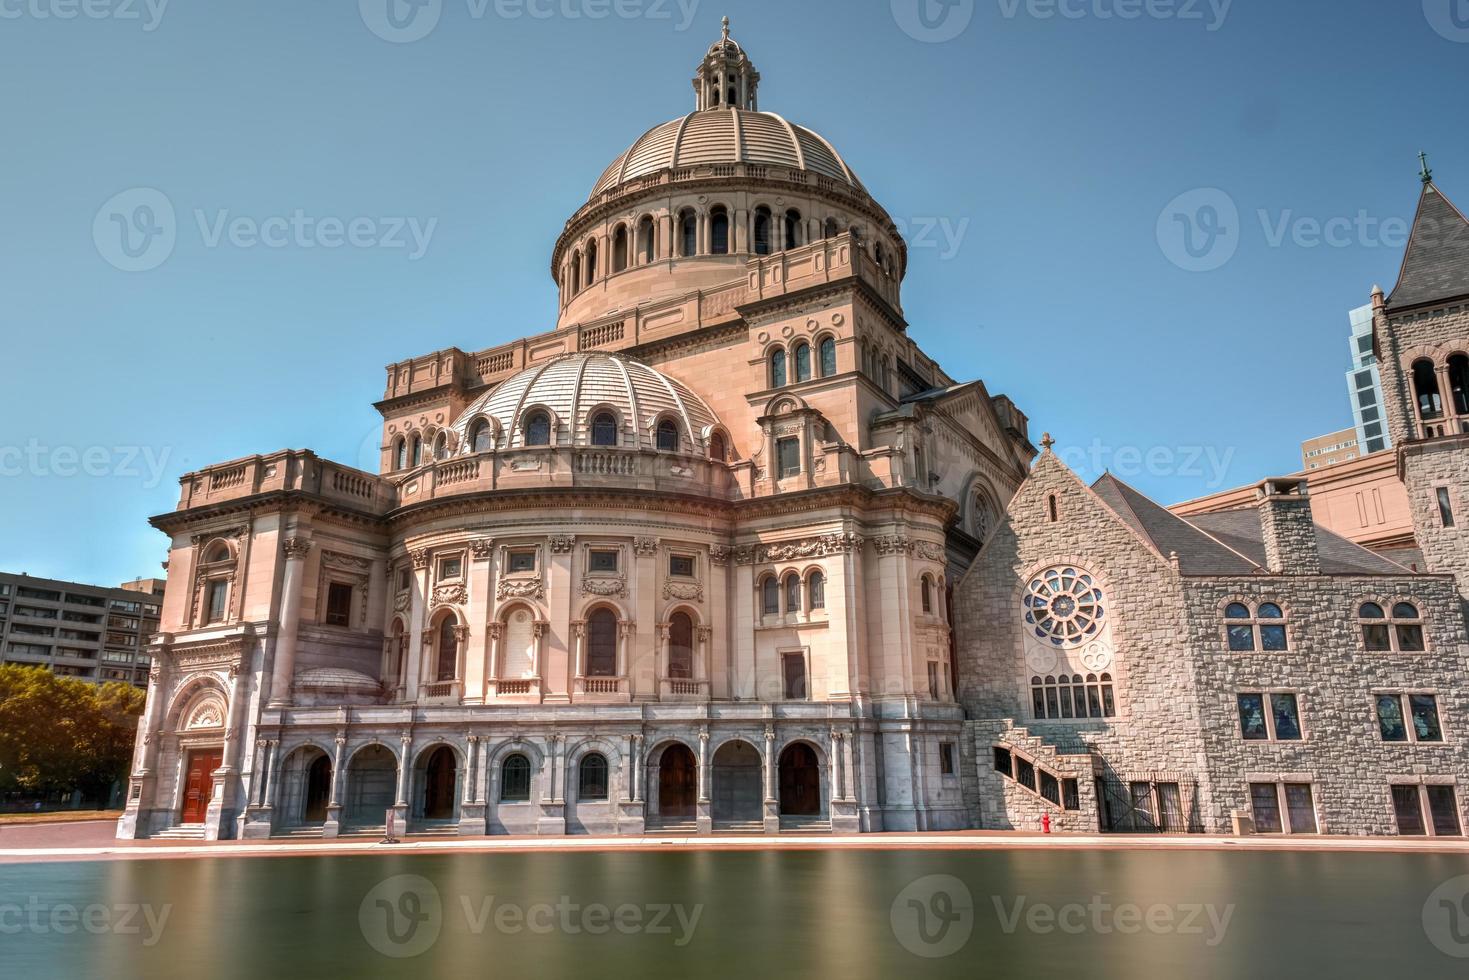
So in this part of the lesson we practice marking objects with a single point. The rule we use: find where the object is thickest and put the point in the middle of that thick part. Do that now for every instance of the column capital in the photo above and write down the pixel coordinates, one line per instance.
(296, 548)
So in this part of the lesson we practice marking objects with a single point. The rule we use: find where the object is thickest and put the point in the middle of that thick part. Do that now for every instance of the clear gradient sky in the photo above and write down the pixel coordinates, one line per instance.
(1032, 148)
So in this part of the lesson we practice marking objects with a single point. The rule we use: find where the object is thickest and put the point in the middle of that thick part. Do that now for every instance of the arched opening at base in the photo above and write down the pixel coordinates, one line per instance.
(371, 785)
(737, 795)
(439, 780)
(678, 783)
(800, 782)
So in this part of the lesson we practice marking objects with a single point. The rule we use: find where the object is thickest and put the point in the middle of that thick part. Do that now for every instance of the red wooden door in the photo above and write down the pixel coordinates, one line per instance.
(199, 783)
(678, 779)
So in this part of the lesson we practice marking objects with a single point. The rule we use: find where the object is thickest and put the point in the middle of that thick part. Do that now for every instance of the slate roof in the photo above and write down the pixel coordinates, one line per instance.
(1436, 263)
(1228, 542)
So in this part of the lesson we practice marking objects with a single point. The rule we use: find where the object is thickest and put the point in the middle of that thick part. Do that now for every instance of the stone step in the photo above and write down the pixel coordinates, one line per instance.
(183, 831)
(674, 827)
(299, 832)
(740, 827)
(804, 825)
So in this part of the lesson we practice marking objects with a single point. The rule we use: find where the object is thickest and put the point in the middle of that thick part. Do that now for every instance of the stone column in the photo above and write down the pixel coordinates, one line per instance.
(704, 811)
(496, 631)
(703, 635)
(772, 804)
(296, 549)
(273, 789)
(413, 665)
(333, 825)
(471, 756)
(639, 771)
(579, 650)
(404, 762)
(834, 768)
(262, 772)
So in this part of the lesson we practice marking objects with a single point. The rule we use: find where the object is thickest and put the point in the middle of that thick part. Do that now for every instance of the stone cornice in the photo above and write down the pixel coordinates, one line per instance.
(300, 503)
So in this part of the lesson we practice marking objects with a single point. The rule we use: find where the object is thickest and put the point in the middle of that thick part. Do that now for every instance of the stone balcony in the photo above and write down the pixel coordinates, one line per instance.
(300, 471)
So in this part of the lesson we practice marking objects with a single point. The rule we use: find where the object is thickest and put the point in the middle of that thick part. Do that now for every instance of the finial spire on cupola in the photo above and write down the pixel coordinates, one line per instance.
(1425, 174)
(726, 78)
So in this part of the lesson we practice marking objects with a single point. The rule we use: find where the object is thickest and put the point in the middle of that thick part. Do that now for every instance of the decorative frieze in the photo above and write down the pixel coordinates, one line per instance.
(604, 586)
(454, 594)
(720, 555)
(419, 558)
(562, 544)
(482, 548)
(520, 589)
(892, 544)
(821, 546)
(929, 551)
(691, 591)
(645, 547)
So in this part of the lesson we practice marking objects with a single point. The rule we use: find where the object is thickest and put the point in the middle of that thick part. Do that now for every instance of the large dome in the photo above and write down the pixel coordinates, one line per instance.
(573, 388)
(727, 135)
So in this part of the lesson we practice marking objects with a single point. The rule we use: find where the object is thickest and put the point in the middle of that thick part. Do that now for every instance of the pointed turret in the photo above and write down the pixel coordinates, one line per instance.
(1436, 264)
(726, 77)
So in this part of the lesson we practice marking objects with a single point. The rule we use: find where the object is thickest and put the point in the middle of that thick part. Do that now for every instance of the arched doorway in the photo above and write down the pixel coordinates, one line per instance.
(678, 783)
(800, 782)
(318, 790)
(737, 796)
(371, 786)
(438, 785)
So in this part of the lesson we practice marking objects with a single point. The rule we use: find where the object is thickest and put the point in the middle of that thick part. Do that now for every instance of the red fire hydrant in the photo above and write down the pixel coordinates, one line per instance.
(1045, 823)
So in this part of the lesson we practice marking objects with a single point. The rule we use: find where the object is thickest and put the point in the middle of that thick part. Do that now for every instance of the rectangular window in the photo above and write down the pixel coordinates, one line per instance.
(1370, 415)
(1252, 717)
(933, 680)
(1025, 773)
(1390, 718)
(1142, 804)
(45, 595)
(451, 567)
(1265, 803)
(602, 561)
(1443, 808)
(1003, 762)
(219, 591)
(1424, 708)
(1050, 787)
(681, 565)
(1445, 507)
(1287, 718)
(1408, 811)
(405, 579)
(788, 456)
(1070, 794)
(1364, 379)
(1421, 709)
(946, 758)
(1242, 638)
(794, 669)
(1301, 808)
(522, 561)
(338, 604)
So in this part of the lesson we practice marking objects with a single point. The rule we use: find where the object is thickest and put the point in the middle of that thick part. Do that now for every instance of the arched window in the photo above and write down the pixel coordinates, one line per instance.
(602, 644)
(667, 436)
(925, 588)
(816, 590)
(1053, 510)
(882, 373)
(604, 429)
(762, 231)
(717, 449)
(778, 369)
(1260, 629)
(1425, 386)
(441, 446)
(447, 663)
(619, 249)
(591, 781)
(792, 228)
(719, 231)
(981, 514)
(688, 233)
(218, 553)
(592, 270)
(575, 273)
(828, 349)
(399, 654)
(879, 254)
(793, 593)
(681, 646)
(647, 244)
(515, 779)
(538, 429)
(415, 450)
(400, 454)
(1459, 383)
(1402, 632)
(803, 362)
(831, 229)
(481, 436)
(770, 597)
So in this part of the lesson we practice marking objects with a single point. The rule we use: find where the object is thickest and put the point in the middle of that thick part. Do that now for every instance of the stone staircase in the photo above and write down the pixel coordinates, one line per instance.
(299, 833)
(182, 831)
(805, 825)
(674, 828)
(740, 827)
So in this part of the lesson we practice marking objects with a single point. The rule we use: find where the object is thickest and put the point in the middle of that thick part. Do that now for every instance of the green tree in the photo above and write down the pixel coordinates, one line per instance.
(59, 734)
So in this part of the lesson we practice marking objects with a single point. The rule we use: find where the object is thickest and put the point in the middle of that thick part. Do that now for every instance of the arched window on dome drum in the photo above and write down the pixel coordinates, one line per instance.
(688, 224)
(604, 429)
(667, 436)
(1425, 386)
(415, 450)
(591, 262)
(441, 446)
(619, 249)
(770, 597)
(762, 231)
(400, 454)
(926, 588)
(602, 644)
(515, 779)
(1459, 383)
(481, 436)
(816, 590)
(778, 369)
(719, 231)
(803, 362)
(591, 781)
(399, 649)
(732, 98)
(828, 350)
(717, 448)
(681, 646)
(792, 228)
(538, 429)
(793, 593)
(447, 661)
(647, 245)
(575, 273)
(831, 229)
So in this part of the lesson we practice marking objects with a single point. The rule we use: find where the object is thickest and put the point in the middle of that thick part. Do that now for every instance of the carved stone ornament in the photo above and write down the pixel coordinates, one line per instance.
(720, 555)
(337, 560)
(561, 544)
(419, 558)
(450, 595)
(296, 548)
(892, 544)
(645, 547)
(818, 547)
(520, 589)
(604, 586)
(929, 551)
(693, 591)
(482, 548)
(402, 601)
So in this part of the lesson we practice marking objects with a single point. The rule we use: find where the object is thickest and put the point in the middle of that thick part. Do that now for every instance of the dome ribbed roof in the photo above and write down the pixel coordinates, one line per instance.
(572, 385)
(727, 135)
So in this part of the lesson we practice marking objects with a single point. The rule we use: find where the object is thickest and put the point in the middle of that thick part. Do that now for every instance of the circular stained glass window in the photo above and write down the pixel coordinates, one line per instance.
(1064, 607)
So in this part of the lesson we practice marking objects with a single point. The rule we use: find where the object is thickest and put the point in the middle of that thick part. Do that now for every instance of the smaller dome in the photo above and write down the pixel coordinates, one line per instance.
(325, 679)
(573, 389)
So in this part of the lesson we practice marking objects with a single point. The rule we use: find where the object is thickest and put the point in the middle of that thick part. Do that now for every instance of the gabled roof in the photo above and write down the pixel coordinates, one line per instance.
(1169, 534)
(1241, 531)
(1436, 263)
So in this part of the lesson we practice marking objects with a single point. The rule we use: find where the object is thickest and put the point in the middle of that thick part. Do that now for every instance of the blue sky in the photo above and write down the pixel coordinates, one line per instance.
(1032, 148)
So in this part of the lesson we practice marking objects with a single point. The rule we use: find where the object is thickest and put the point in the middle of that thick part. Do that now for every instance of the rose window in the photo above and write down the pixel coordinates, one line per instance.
(1064, 607)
